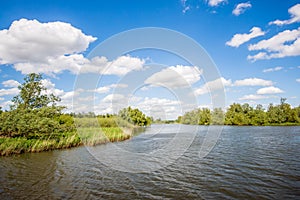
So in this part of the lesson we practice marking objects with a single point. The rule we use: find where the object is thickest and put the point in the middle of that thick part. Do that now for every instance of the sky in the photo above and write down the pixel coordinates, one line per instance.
(254, 47)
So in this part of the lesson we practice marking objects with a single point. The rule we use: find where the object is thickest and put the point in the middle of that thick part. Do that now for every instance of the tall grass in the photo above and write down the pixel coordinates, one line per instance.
(22, 144)
(102, 122)
(93, 136)
(90, 131)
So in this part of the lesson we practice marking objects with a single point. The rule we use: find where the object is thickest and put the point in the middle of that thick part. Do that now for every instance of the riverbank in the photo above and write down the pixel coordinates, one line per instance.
(83, 136)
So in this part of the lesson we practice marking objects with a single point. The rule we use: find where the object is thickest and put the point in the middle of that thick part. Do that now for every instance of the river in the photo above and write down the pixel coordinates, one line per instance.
(245, 163)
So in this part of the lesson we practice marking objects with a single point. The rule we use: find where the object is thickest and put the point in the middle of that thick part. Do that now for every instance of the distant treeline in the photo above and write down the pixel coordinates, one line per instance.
(125, 118)
(244, 115)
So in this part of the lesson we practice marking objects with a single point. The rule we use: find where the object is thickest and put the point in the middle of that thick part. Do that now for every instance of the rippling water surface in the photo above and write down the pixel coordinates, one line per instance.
(246, 163)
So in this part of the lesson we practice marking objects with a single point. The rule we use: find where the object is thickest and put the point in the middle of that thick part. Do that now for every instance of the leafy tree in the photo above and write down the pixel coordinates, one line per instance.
(34, 112)
(134, 116)
(33, 94)
(217, 116)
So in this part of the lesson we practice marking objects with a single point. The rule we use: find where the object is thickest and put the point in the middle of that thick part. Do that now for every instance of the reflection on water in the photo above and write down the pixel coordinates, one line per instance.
(246, 163)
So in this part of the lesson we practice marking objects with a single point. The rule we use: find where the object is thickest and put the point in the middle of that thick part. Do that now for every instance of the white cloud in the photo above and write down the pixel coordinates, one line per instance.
(5, 105)
(10, 91)
(214, 3)
(102, 90)
(77, 63)
(160, 107)
(273, 69)
(114, 98)
(54, 47)
(175, 77)
(213, 85)
(286, 43)
(106, 89)
(12, 86)
(253, 82)
(241, 8)
(295, 16)
(269, 90)
(10, 83)
(32, 41)
(239, 39)
(123, 65)
(51, 88)
(253, 97)
(298, 80)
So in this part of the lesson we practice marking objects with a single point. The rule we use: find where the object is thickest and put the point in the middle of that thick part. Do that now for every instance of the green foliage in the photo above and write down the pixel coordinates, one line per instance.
(92, 135)
(237, 114)
(100, 121)
(217, 116)
(33, 94)
(34, 113)
(197, 117)
(134, 116)
(22, 144)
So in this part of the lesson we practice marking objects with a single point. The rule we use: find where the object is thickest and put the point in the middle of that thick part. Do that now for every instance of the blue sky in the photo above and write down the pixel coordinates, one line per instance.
(255, 45)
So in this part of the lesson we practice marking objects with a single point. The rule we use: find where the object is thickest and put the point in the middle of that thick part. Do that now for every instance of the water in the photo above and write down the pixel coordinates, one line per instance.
(246, 163)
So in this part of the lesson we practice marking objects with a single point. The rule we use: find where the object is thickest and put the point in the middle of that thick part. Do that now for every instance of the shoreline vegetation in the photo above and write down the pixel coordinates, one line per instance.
(89, 131)
(36, 123)
(244, 115)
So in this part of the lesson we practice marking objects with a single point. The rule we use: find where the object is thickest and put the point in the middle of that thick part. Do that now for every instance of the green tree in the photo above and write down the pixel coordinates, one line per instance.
(33, 94)
(34, 113)
(135, 116)
(217, 116)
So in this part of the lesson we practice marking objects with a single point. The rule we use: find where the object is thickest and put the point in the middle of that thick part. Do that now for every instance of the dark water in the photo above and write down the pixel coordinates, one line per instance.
(246, 163)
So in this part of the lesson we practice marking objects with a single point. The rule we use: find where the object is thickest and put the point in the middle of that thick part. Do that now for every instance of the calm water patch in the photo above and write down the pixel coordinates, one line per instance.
(246, 163)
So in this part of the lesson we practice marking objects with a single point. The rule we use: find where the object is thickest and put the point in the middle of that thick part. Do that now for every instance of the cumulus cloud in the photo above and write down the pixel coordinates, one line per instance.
(159, 107)
(286, 43)
(214, 3)
(114, 98)
(253, 82)
(77, 63)
(239, 39)
(10, 83)
(12, 86)
(269, 90)
(175, 77)
(33, 41)
(8, 92)
(295, 16)
(51, 89)
(241, 8)
(273, 69)
(298, 80)
(54, 47)
(253, 97)
(210, 86)
(106, 89)
(5, 105)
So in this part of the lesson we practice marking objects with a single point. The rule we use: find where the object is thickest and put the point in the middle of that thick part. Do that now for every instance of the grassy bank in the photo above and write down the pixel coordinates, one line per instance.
(84, 136)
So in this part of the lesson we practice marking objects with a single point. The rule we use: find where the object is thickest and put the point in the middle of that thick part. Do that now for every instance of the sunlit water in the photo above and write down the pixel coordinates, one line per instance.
(246, 163)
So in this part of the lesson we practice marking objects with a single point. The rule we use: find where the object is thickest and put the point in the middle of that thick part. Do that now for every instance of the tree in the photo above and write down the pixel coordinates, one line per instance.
(33, 94)
(34, 113)
(217, 116)
(134, 116)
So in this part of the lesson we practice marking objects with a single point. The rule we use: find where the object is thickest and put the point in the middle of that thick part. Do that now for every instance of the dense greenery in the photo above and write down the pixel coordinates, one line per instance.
(237, 114)
(36, 123)
(135, 116)
(34, 113)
